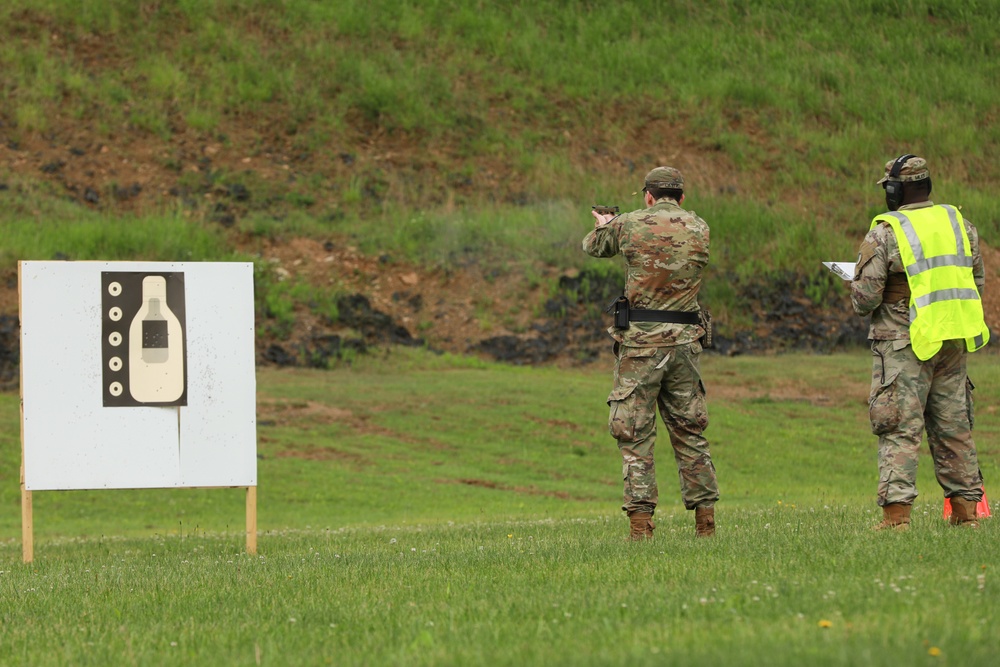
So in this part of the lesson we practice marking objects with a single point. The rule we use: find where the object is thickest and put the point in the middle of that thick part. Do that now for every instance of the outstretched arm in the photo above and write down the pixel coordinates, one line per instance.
(602, 241)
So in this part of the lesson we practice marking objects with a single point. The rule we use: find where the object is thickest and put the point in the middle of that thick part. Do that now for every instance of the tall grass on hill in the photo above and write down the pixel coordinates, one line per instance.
(803, 103)
(847, 77)
(749, 242)
(117, 239)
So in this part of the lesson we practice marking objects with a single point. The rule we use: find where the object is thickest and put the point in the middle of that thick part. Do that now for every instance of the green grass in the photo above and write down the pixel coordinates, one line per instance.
(816, 98)
(424, 509)
(91, 237)
(549, 591)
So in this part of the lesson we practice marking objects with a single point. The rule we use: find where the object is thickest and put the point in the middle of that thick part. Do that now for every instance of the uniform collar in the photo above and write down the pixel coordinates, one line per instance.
(665, 201)
(922, 204)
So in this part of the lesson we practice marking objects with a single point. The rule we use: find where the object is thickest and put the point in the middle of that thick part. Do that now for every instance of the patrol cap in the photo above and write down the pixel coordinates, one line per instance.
(665, 178)
(914, 169)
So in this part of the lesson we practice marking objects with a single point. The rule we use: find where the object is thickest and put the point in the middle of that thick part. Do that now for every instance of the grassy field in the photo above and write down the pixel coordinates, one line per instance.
(419, 509)
(422, 509)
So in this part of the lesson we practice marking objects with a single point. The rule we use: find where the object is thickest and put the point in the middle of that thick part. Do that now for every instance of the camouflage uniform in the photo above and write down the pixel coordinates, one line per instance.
(665, 250)
(909, 395)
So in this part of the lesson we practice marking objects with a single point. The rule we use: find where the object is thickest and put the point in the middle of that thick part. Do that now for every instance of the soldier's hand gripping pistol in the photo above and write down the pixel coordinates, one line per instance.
(603, 214)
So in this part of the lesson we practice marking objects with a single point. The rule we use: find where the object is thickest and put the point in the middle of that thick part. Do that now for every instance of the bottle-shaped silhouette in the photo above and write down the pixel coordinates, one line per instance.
(155, 347)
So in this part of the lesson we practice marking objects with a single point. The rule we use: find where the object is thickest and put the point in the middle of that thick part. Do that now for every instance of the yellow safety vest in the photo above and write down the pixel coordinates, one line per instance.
(944, 301)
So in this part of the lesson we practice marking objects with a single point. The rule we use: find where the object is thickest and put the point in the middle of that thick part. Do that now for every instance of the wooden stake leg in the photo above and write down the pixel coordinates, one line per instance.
(27, 527)
(251, 520)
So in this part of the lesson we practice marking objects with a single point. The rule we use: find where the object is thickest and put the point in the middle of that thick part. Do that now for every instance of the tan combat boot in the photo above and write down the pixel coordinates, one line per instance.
(704, 521)
(963, 513)
(642, 526)
(895, 516)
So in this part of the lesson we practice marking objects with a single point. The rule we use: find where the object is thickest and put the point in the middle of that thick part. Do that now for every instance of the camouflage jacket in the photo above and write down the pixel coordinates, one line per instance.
(665, 250)
(877, 259)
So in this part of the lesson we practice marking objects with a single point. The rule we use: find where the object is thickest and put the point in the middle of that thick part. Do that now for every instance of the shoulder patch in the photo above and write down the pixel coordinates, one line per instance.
(866, 253)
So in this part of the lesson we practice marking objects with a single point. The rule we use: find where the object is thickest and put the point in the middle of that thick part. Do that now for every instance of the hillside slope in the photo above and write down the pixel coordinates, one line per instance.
(310, 145)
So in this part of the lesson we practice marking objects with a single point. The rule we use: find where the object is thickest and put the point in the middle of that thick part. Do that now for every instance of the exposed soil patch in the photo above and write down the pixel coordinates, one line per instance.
(557, 423)
(291, 414)
(529, 490)
(313, 453)
(498, 317)
(844, 393)
(281, 413)
(462, 311)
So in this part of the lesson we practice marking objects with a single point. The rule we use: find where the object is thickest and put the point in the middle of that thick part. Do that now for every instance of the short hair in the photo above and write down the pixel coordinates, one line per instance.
(918, 188)
(660, 193)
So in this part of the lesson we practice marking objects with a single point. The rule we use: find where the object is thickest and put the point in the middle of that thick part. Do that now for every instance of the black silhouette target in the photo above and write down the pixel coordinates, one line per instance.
(143, 339)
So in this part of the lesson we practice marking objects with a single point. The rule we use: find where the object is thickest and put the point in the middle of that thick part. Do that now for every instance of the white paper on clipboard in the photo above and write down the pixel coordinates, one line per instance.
(843, 269)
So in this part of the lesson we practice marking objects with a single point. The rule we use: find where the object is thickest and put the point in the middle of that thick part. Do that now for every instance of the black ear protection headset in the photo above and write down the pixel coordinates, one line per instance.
(893, 186)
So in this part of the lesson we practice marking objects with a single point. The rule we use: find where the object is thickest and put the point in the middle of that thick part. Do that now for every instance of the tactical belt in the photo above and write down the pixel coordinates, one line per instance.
(670, 316)
(896, 287)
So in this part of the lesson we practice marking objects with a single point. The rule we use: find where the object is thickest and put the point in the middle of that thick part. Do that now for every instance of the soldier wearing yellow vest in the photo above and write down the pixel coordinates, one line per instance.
(920, 276)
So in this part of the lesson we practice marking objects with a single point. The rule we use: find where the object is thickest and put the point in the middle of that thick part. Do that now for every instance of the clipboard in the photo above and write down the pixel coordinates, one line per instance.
(843, 269)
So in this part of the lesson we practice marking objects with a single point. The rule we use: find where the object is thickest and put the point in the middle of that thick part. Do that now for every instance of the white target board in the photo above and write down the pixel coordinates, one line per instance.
(137, 375)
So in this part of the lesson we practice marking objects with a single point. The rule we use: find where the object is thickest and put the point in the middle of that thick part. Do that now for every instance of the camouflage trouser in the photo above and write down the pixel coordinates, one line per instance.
(909, 396)
(669, 377)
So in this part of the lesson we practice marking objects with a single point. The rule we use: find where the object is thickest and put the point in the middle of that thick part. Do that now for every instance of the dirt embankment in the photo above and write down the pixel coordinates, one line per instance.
(498, 317)
(463, 311)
